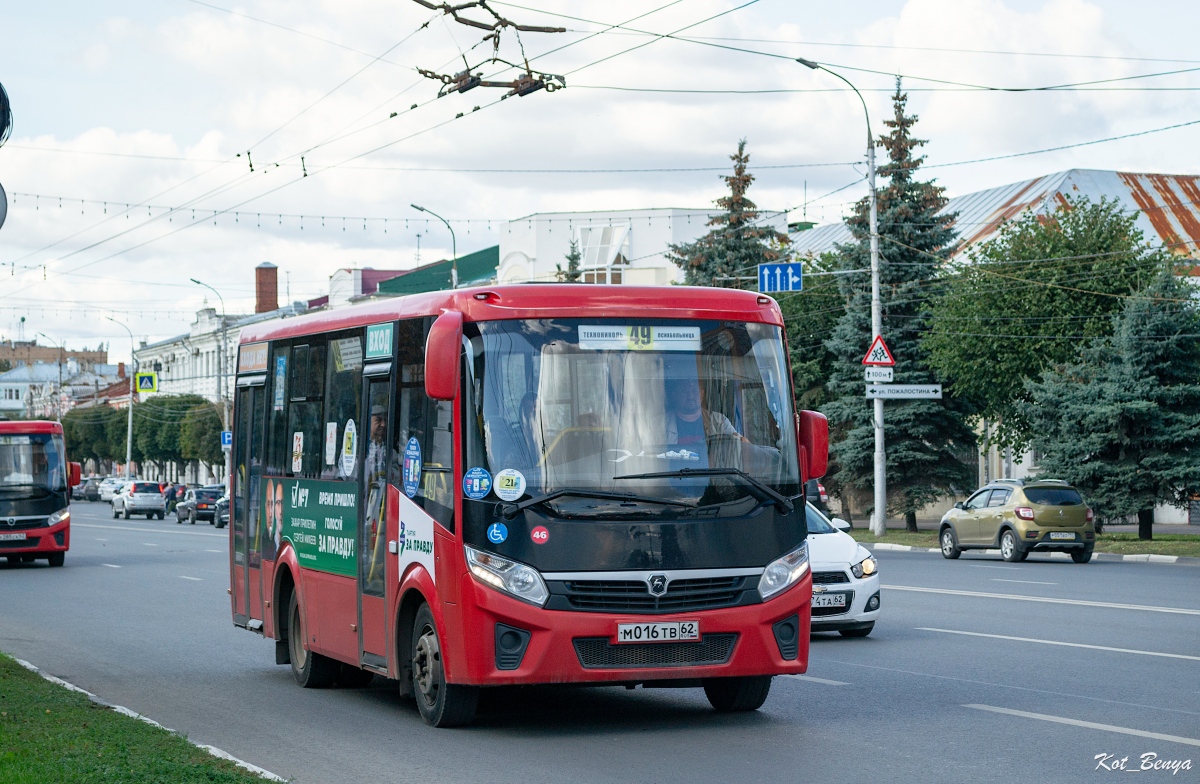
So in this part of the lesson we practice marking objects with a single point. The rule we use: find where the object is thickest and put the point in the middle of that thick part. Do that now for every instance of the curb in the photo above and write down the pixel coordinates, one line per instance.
(213, 750)
(1178, 560)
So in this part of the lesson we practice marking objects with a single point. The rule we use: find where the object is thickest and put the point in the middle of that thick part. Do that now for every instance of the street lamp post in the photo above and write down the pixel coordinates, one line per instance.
(453, 245)
(132, 374)
(879, 518)
(58, 401)
(221, 373)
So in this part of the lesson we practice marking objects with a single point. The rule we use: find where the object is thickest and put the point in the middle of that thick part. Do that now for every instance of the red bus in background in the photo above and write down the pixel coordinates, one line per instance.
(529, 484)
(35, 496)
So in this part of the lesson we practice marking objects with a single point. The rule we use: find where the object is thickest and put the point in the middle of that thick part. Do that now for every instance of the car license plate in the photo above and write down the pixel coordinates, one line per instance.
(679, 631)
(829, 600)
(1062, 535)
(12, 537)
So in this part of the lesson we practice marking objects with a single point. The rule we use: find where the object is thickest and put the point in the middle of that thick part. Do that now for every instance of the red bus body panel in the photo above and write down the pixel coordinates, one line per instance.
(46, 543)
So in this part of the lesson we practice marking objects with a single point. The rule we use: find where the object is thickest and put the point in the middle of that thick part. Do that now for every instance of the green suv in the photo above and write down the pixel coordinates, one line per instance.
(1019, 517)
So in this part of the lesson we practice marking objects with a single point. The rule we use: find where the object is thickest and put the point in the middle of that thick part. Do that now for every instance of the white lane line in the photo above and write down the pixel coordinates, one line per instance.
(1046, 599)
(214, 551)
(813, 679)
(1091, 725)
(1025, 582)
(185, 577)
(149, 544)
(111, 566)
(100, 539)
(989, 566)
(147, 530)
(1064, 644)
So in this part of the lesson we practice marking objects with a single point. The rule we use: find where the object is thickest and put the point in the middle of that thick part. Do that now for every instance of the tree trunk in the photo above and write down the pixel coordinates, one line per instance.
(1146, 524)
(910, 521)
(844, 497)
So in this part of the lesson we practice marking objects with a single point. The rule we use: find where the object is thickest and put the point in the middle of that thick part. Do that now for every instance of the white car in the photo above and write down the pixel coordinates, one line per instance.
(109, 488)
(845, 579)
(140, 498)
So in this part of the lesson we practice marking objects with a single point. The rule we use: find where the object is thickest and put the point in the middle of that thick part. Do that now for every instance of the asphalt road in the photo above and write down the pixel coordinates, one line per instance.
(139, 615)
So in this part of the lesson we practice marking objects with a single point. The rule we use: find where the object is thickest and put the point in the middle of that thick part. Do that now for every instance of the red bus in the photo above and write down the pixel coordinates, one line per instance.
(526, 484)
(35, 477)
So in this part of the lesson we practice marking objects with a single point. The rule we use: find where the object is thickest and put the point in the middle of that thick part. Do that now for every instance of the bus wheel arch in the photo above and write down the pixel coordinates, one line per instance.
(406, 614)
(285, 586)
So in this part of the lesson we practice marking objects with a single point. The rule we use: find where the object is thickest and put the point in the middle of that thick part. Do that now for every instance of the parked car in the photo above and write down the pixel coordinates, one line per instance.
(1020, 517)
(89, 490)
(223, 511)
(109, 487)
(814, 493)
(845, 578)
(140, 498)
(199, 504)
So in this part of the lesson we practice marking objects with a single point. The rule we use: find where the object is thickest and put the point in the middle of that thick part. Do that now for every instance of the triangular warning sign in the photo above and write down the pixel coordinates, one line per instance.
(879, 354)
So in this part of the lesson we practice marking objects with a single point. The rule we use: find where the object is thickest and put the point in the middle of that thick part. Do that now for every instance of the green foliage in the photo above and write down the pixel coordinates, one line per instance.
(157, 425)
(1122, 421)
(809, 317)
(928, 441)
(86, 433)
(737, 244)
(572, 273)
(1025, 299)
(200, 434)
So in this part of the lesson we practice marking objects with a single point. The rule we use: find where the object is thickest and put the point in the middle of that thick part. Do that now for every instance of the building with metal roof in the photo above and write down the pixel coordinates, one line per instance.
(1168, 207)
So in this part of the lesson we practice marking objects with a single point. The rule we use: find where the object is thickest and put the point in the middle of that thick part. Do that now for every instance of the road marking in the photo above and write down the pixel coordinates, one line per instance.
(1046, 599)
(149, 544)
(111, 566)
(146, 530)
(1089, 725)
(100, 539)
(813, 679)
(988, 566)
(185, 577)
(214, 551)
(1026, 582)
(1064, 644)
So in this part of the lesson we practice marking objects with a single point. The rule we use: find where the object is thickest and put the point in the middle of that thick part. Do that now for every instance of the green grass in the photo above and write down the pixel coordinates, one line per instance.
(1187, 545)
(50, 734)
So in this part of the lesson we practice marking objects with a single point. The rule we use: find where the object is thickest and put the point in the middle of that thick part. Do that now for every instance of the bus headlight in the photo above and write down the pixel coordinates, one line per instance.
(516, 579)
(58, 517)
(782, 573)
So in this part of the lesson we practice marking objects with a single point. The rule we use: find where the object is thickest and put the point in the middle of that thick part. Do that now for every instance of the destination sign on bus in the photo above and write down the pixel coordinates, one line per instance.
(616, 337)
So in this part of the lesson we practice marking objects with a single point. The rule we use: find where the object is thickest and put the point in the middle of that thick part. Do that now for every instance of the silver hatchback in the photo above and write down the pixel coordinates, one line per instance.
(140, 498)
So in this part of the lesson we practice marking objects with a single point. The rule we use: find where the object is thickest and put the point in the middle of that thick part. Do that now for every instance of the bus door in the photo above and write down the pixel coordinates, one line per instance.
(244, 502)
(372, 539)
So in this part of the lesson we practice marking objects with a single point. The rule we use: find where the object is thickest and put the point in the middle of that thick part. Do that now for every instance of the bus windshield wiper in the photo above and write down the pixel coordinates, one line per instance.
(510, 510)
(761, 490)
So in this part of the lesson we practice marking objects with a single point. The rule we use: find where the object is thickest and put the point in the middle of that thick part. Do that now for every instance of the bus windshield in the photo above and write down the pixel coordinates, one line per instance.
(597, 404)
(32, 461)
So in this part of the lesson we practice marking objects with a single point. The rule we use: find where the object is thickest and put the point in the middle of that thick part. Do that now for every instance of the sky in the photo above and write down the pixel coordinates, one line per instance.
(155, 142)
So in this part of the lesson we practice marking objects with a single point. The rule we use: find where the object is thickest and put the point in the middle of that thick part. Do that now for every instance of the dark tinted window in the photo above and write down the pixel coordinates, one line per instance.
(1053, 496)
(145, 487)
(999, 497)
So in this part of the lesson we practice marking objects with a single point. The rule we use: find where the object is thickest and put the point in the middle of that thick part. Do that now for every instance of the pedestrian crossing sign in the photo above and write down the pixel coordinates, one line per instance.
(146, 382)
(879, 354)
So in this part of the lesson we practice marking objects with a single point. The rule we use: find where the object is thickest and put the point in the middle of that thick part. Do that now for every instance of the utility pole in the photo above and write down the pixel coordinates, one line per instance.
(58, 401)
(221, 375)
(453, 245)
(879, 517)
(131, 374)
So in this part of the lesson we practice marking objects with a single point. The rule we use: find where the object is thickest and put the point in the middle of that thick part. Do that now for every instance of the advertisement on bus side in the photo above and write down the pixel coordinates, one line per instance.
(320, 519)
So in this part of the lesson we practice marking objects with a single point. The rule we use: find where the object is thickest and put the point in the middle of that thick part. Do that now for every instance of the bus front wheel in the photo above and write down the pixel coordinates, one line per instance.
(311, 670)
(441, 704)
(736, 695)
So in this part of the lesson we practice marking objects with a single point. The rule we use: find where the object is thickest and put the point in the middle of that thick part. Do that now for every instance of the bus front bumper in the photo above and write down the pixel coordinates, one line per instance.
(554, 646)
(36, 542)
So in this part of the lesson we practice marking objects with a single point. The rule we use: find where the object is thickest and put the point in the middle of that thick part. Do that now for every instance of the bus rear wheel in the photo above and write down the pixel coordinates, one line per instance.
(311, 670)
(441, 704)
(737, 695)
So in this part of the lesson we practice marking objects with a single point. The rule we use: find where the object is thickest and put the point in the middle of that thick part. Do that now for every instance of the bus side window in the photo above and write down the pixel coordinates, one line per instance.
(279, 442)
(304, 435)
(342, 403)
(430, 422)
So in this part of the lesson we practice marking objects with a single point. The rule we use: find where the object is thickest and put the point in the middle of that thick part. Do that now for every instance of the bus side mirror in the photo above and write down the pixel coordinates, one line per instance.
(74, 474)
(813, 439)
(442, 349)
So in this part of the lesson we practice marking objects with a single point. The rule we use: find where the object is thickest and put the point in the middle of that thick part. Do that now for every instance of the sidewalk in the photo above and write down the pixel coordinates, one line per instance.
(931, 524)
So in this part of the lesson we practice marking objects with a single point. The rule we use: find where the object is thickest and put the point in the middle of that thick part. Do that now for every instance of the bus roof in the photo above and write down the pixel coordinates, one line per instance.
(30, 426)
(522, 301)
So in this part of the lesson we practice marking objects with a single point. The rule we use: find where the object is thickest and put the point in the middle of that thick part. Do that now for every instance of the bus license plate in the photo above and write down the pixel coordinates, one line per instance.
(679, 631)
(12, 537)
(1062, 535)
(829, 600)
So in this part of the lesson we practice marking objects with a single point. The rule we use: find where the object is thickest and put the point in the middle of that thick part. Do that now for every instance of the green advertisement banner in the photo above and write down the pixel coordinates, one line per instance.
(320, 519)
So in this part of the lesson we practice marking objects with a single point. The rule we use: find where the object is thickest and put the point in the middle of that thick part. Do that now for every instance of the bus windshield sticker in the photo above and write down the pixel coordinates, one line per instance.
(412, 467)
(477, 483)
(320, 521)
(599, 337)
(280, 381)
(331, 443)
(497, 533)
(379, 341)
(510, 484)
(297, 451)
(349, 448)
(347, 354)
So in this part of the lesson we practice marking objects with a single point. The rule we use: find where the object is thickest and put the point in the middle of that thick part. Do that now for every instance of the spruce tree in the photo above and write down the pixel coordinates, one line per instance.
(572, 273)
(927, 441)
(737, 243)
(1122, 422)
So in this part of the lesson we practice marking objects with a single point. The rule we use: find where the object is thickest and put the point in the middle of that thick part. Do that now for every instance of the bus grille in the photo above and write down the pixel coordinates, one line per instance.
(634, 595)
(600, 653)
